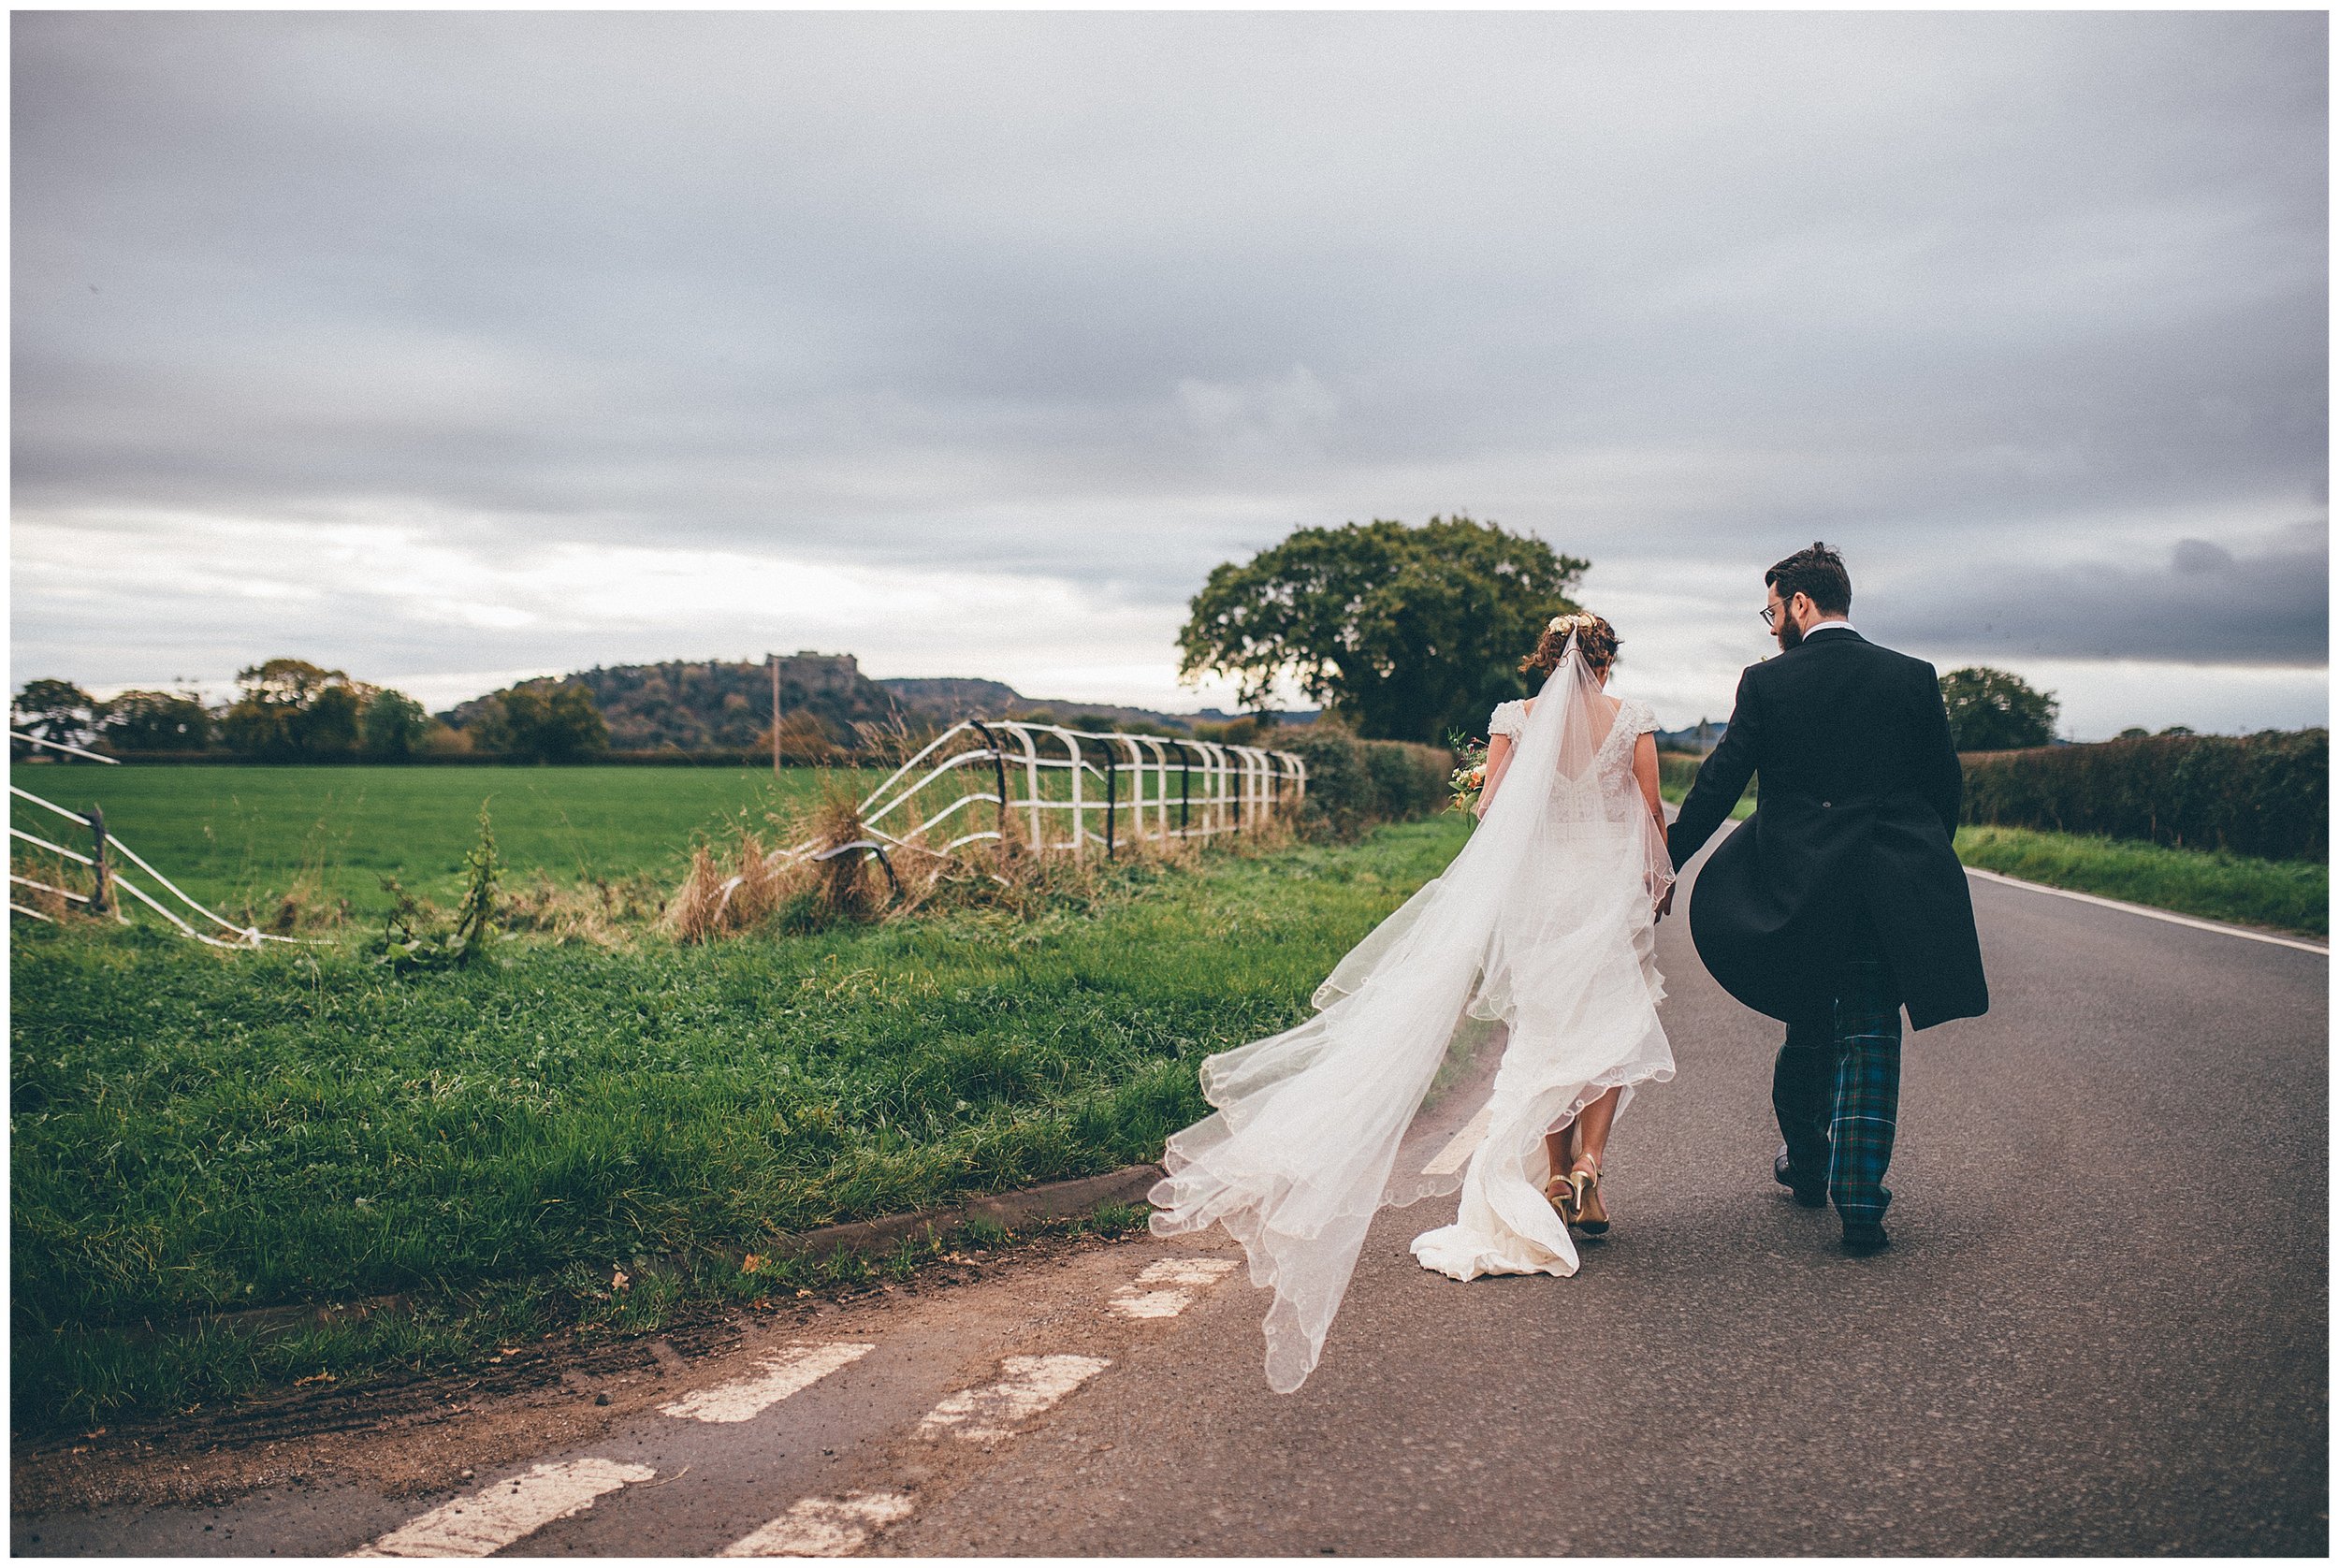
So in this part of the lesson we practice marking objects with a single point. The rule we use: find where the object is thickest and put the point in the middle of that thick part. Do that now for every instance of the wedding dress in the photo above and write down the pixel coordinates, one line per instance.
(1540, 937)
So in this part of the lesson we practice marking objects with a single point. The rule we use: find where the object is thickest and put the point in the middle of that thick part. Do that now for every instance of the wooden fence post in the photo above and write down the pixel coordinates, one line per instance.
(1113, 793)
(998, 772)
(105, 875)
(1186, 788)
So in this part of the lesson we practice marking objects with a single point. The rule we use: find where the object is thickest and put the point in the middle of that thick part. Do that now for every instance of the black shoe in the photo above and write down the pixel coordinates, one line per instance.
(1809, 1194)
(1864, 1241)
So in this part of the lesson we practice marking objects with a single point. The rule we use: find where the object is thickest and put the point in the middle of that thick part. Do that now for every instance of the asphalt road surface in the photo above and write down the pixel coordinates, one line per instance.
(2101, 1328)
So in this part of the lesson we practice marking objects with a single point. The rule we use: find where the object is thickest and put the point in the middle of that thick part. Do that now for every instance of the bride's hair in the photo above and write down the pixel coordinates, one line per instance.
(1593, 635)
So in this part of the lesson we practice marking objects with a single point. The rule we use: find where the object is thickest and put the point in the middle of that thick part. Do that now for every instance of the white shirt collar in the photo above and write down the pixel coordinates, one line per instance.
(1836, 625)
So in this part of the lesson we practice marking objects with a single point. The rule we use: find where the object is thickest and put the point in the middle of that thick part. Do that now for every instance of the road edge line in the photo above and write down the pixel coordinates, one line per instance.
(2150, 913)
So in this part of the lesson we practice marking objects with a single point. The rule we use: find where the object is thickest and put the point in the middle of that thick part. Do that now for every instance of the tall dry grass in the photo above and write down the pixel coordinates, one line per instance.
(602, 911)
(800, 874)
(52, 872)
(786, 880)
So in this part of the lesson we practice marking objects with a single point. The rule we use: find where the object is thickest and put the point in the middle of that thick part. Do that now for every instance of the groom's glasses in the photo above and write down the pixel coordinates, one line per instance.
(1770, 615)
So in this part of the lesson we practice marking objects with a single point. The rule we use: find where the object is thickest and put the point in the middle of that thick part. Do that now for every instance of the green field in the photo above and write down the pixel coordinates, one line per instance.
(197, 1130)
(240, 838)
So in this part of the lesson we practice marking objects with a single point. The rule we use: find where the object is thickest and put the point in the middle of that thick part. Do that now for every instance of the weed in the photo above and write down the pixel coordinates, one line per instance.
(981, 1231)
(411, 939)
(1112, 1219)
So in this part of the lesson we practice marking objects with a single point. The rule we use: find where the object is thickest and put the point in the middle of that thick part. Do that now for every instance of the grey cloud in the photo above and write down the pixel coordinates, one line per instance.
(2261, 602)
(1114, 297)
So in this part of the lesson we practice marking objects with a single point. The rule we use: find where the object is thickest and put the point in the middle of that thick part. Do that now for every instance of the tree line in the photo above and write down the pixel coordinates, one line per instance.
(289, 710)
(1399, 632)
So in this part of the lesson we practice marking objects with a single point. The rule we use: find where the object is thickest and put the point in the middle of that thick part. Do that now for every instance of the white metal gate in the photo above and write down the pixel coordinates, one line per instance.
(1071, 791)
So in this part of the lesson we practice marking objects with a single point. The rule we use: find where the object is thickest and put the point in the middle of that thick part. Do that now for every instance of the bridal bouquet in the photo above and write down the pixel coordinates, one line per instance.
(1470, 778)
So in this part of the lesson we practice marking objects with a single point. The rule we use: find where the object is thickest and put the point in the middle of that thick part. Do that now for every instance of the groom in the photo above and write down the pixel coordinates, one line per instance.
(1839, 900)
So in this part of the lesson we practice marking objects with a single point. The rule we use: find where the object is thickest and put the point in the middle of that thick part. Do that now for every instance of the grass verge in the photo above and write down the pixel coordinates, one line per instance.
(2286, 895)
(196, 1131)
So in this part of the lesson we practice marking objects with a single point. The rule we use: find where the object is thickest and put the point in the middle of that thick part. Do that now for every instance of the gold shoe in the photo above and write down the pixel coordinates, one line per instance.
(1563, 1195)
(1592, 1214)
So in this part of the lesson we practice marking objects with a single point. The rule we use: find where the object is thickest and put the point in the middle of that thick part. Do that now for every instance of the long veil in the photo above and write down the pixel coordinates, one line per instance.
(1303, 1148)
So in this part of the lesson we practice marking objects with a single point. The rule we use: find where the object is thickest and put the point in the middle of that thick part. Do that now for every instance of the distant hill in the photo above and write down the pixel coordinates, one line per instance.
(1281, 716)
(951, 698)
(1699, 738)
(717, 705)
(722, 704)
(948, 699)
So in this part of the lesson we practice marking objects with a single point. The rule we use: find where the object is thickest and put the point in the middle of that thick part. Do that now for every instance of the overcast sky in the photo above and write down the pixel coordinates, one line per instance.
(452, 348)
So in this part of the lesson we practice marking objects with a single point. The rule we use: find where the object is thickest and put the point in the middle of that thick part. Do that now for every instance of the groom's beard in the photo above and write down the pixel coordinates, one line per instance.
(1789, 634)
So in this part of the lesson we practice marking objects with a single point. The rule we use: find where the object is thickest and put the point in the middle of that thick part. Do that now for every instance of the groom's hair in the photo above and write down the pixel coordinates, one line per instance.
(1817, 572)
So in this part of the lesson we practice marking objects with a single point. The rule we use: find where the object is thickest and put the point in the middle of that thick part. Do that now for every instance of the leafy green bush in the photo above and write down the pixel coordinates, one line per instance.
(1408, 780)
(2266, 795)
(1354, 783)
(1341, 795)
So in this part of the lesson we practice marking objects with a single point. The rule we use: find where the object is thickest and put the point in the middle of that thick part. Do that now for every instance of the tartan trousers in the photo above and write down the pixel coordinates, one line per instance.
(1836, 1089)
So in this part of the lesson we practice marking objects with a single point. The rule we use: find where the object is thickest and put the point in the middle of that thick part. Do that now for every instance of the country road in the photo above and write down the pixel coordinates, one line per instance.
(2101, 1328)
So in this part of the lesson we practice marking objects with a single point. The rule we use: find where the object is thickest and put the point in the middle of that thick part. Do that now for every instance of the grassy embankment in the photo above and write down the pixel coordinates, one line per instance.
(197, 1131)
(2287, 895)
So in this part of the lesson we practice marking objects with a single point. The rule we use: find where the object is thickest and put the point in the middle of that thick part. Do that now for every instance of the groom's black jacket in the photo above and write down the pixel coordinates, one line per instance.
(1847, 851)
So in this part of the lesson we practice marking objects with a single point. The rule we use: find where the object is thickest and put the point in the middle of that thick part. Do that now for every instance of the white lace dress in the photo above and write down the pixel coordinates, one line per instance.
(1582, 1019)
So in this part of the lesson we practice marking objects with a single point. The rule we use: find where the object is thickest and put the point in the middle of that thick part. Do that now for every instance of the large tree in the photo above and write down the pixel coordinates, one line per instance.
(54, 710)
(545, 721)
(393, 724)
(1404, 633)
(1993, 710)
(289, 708)
(156, 721)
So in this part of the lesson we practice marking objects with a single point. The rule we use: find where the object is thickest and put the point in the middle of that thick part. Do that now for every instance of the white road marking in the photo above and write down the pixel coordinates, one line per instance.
(1031, 1385)
(823, 1526)
(2151, 914)
(495, 1516)
(1463, 1144)
(1181, 1276)
(788, 1371)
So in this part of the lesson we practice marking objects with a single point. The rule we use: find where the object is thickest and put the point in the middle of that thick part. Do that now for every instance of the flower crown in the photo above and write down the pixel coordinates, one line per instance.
(1581, 620)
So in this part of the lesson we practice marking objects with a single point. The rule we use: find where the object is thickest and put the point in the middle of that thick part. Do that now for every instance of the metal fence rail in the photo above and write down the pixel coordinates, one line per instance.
(60, 746)
(110, 880)
(1115, 779)
(1072, 783)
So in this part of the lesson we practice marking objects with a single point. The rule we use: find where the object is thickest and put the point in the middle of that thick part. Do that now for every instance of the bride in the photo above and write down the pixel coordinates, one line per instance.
(1540, 937)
